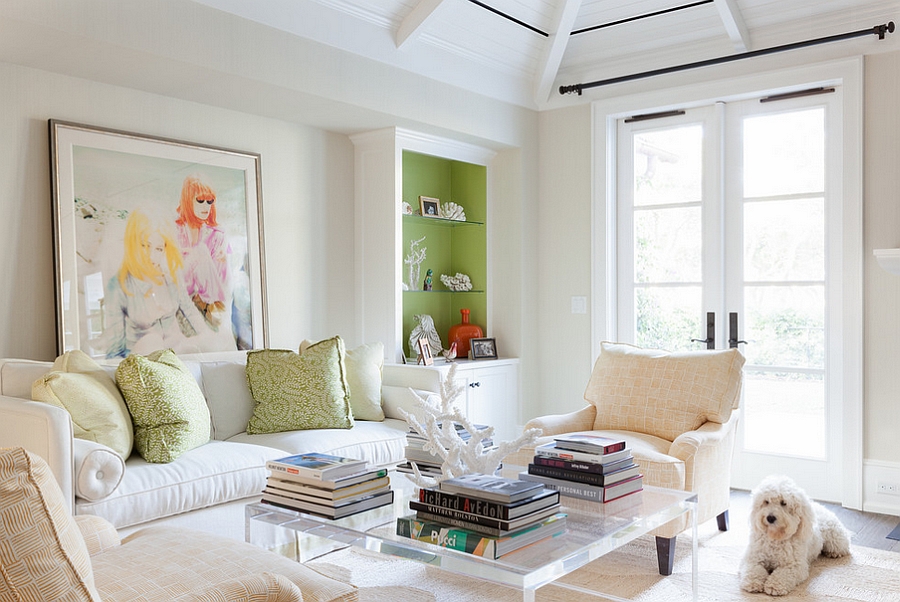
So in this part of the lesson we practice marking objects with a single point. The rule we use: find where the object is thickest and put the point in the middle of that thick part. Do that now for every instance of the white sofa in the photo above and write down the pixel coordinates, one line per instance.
(229, 468)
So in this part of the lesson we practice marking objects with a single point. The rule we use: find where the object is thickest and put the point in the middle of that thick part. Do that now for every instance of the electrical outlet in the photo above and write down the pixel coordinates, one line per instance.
(891, 488)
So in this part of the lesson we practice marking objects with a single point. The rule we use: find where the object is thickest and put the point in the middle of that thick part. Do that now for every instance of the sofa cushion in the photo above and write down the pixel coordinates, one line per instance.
(379, 443)
(80, 386)
(299, 392)
(43, 555)
(166, 404)
(660, 393)
(213, 473)
(98, 469)
(364, 366)
(228, 397)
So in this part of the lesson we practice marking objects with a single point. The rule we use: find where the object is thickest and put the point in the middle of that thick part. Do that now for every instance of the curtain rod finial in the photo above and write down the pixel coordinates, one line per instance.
(881, 30)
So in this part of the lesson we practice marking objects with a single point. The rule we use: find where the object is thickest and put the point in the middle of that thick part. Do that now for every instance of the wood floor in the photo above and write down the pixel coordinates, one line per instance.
(869, 530)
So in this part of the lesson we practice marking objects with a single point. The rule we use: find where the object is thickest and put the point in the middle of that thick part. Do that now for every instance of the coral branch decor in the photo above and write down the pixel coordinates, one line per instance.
(414, 259)
(435, 421)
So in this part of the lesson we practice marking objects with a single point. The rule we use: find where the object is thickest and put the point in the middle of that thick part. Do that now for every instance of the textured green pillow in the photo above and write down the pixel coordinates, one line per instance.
(81, 387)
(364, 367)
(167, 406)
(298, 392)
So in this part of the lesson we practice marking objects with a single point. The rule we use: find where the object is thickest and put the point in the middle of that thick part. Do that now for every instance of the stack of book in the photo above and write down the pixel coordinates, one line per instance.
(586, 466)
(428, 463)
(484, 515)
(326, 485)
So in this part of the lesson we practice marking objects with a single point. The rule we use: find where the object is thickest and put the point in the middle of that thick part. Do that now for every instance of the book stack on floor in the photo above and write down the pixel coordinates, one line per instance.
(586, 466)
(428, 463)
(484, 515)
(326, 485)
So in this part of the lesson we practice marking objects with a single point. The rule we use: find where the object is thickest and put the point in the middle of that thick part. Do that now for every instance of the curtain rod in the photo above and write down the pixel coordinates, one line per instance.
(878, 30)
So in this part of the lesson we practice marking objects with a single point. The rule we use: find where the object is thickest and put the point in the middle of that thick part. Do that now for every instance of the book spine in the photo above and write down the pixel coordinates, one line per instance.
(567, 475)
(587, 467)
(444, 513)
(461, 503)
(569, 488)
(566, 454)
(455, 522)
(446, 537)
(294, 471)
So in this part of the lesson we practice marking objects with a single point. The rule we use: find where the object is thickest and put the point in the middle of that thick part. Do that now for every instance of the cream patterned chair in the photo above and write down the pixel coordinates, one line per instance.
(49, 555)
(677, 413)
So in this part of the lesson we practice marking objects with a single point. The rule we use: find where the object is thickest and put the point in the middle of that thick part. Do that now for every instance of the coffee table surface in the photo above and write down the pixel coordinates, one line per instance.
(592, 530)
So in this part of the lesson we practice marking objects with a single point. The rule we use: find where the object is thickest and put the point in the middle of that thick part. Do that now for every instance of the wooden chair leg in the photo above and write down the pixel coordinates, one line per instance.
(665, 554)
(722, 521)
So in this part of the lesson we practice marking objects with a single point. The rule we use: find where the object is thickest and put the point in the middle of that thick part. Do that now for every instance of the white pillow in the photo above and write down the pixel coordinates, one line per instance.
(98, 470)
(364, 365)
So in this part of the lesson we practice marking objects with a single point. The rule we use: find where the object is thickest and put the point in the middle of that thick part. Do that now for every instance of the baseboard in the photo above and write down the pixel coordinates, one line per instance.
(875, 472)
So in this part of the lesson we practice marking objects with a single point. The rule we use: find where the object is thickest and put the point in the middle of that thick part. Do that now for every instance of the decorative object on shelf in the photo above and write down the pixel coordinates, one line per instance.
(450, 354)
(424, 357)
(406, 208)
(459, 283)
(483, 348)
(414, 259)
(451, 210)
(435, 421)
(462, 332)
(429, 276)
(429, 206)
(425, 329)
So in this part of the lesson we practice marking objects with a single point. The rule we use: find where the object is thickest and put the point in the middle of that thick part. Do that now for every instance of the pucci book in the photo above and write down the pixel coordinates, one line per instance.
(367, 503)
(489, 487)
(481, 524)
(316, 466)
(552, 450)
(585, 491)
(496, 510)
(590, 443)
(478, 544)
(588, 467)
(289, 488)
(603, 480)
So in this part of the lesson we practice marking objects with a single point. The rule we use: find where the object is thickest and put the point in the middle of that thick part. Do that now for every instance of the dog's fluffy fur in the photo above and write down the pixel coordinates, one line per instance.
(787, 532)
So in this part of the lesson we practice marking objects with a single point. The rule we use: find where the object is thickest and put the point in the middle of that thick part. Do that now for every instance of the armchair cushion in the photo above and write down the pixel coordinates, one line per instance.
(660, 393)
(264, 587)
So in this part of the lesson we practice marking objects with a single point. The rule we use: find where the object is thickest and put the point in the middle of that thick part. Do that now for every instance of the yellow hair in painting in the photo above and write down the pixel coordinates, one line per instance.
(136, 261)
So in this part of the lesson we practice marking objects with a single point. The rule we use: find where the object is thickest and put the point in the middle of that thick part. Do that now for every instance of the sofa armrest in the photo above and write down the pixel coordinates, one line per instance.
(45, 430)
(556, 424)
(262, 587)
(98, 533)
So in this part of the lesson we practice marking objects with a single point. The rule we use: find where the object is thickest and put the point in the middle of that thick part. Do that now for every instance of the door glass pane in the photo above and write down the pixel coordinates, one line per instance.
(785, 326)
(668, 166)
(784, 153)
(667, 317)
(784, 240)
(784, 413)
(667, 245)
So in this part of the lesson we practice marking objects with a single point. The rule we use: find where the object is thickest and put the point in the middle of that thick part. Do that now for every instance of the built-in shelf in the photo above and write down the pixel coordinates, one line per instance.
(889, 259)
(445, 292)
(440, 221)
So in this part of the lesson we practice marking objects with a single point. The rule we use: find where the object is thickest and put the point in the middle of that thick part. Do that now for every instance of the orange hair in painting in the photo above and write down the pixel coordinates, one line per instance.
(191, 190)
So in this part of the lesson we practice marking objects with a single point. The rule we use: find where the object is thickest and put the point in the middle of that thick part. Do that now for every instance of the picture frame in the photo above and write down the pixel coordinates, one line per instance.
(425, 356)
(158, 243)
(483, 348)
(429, 206)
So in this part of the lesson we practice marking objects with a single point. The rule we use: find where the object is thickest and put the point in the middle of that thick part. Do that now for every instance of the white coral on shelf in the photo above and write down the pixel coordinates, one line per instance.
(451, 210)
(459, 282)
(435, 421)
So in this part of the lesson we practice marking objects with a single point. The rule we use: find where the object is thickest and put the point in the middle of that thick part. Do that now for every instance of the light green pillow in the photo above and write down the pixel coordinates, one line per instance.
(299, 392)
(364, 367)
(167, 406)
(80, 386)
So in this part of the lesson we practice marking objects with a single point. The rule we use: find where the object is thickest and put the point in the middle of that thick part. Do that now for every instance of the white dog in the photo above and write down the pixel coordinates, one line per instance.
(788, 532)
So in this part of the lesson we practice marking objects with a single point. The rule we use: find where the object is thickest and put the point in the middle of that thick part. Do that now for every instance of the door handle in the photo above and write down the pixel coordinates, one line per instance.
(733, 340)
(475, 384)
(710, 339)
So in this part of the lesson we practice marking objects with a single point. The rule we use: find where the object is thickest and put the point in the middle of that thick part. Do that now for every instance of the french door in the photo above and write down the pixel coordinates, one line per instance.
(728, 235)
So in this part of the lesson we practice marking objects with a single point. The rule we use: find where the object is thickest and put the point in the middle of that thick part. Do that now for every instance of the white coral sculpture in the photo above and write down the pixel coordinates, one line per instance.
(451, 210)
(436, 421)
(414, 260)
(459, 282)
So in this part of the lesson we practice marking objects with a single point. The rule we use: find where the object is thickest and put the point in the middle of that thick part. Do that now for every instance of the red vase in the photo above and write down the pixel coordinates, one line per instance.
(461, 333)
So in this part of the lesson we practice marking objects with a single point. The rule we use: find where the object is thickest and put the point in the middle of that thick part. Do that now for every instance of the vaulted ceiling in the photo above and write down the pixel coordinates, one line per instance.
(522, 51)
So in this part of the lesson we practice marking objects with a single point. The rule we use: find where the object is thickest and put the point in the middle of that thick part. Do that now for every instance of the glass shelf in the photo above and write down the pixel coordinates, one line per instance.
(439, 221)
(446, 292)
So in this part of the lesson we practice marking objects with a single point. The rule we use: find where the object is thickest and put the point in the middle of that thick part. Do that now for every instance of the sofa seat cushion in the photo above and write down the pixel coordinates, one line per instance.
(213, 473)
(379, 443)
(169, 563)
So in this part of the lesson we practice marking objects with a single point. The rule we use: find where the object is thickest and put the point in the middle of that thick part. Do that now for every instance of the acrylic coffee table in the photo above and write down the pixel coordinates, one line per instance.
(592, 530)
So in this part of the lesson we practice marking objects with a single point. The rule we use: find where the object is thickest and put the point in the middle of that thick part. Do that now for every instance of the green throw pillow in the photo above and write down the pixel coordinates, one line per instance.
(167, 406)
(363, 368)
(80, 386)
(299, 392)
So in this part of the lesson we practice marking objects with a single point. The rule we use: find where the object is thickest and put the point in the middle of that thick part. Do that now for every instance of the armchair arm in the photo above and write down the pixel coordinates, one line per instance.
(45, 430)
(556, 424)
(98, 533)
(262, 587)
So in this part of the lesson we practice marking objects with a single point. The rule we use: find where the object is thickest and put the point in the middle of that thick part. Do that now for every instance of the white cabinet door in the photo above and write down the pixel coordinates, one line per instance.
(492, 395)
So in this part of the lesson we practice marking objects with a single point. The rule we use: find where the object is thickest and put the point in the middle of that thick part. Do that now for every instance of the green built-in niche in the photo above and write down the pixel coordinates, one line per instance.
(451, 246)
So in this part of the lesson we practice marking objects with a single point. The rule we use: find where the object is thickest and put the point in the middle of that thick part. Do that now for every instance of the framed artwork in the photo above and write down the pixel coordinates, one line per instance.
(425, 356)
(430, 207)
(158, 244)
(483, 348)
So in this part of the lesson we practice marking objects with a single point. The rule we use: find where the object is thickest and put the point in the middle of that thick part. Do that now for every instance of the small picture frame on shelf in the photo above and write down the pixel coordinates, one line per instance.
(483, 348)
(425, 356)
(429, 206)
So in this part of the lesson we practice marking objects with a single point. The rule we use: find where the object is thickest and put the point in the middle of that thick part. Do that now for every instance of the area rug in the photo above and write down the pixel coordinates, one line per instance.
(868, 575)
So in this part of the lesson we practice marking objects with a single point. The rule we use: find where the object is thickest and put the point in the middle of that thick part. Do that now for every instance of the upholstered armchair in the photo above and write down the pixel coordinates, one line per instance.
(677, 413)
(47, 554)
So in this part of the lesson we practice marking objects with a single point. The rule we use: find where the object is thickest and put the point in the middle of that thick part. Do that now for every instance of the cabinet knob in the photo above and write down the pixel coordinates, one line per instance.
(475, 384)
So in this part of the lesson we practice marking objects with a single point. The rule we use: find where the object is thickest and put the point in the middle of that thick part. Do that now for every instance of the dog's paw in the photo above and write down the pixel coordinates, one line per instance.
(754, 580)
(777, 585)
(752, 585)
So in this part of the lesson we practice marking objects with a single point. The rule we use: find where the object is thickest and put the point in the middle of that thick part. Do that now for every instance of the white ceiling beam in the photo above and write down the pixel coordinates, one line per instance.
(412, 25)
(554, 50)
(734, 24)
